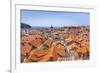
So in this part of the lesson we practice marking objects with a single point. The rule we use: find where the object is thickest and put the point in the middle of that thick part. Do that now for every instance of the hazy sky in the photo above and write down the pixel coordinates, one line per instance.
(48, 18)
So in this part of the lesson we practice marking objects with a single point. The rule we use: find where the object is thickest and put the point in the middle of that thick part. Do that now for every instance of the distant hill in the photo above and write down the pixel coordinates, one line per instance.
(23, 25)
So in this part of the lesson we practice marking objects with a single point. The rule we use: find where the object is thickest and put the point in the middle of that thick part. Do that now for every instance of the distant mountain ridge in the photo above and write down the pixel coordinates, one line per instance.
(24, 25)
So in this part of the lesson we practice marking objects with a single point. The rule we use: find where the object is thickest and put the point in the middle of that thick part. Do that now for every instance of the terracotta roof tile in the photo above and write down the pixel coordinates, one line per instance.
(48, 42)
(25, 48)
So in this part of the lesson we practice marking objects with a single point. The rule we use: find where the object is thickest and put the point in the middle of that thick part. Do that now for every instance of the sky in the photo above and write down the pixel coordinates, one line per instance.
(53, 18)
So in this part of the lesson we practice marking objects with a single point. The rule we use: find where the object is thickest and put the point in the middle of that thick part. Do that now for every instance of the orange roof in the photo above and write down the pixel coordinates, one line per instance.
(37, 41)
(84, 47)
(48, 42)
(58, 51)
(25, 48)
(37, 55)
(27, 38)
